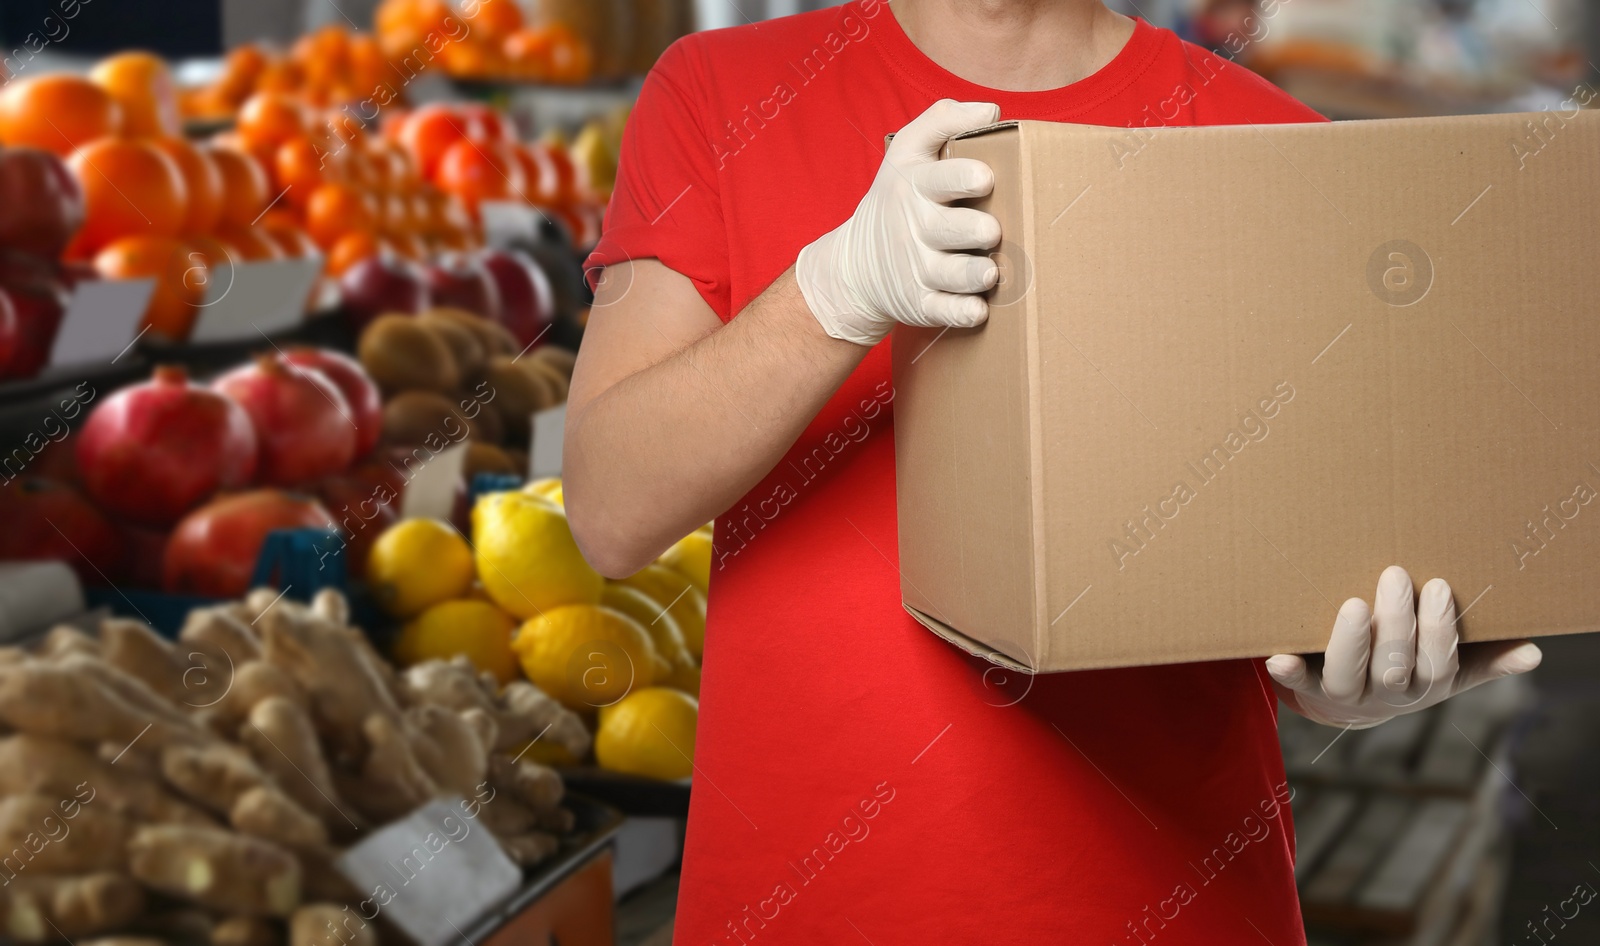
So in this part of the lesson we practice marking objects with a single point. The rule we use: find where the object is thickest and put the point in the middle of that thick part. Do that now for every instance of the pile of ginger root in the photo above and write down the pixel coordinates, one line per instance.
(199, 791)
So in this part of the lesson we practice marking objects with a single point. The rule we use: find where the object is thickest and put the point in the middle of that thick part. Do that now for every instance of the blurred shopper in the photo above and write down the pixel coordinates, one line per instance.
(858, 779)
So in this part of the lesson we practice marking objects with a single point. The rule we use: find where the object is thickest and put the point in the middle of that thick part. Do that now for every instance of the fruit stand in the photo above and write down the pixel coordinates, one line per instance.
(273, 406)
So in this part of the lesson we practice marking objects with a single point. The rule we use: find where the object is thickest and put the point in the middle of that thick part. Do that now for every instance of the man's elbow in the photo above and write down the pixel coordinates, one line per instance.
(605, 543)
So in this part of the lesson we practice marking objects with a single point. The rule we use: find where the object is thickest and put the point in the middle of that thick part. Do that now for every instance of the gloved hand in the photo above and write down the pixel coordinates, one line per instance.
(899, 258)
(1398, 657)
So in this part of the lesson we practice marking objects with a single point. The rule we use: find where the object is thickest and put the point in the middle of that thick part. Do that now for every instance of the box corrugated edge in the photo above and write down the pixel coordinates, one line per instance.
(971, 646)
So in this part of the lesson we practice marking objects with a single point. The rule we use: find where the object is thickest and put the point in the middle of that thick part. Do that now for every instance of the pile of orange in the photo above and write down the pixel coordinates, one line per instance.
(156, 205)
(488, 39)
(332, 66)
(471, 152)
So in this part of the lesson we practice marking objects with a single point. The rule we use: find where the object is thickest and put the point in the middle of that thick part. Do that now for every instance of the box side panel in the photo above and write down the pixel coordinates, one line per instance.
(961, 447)
(1279, 359)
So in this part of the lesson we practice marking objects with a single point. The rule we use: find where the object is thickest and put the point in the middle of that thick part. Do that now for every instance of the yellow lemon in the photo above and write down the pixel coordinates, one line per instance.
(547, 488)
(649, 733)
(418, 563)
(476, 629)
(676, 593)
(664, 633)
(690, 557)
(586, 656)
(527, 560)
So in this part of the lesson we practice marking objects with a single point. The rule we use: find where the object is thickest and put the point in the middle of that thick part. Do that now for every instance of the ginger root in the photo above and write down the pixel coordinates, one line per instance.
(328, 924)
(266, 812)
(41, 908)
(217, 869)
(71, 698)
(529, 849)
(534, 785)
(283, 741)
(344, 683)
(392, 781)
(213, 776)
(224, 632)
(252, 683)
(526, 712)
(53, 767)
(132, 647)
(63, 835)
(246, 931)
(448, 749)
(65, 639)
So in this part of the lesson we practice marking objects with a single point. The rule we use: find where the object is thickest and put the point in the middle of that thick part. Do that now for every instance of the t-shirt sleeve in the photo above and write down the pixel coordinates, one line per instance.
(666, 204)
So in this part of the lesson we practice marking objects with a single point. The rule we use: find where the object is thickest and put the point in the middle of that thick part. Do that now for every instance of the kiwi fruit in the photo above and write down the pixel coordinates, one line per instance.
(557, 358)
(411, 418)
(485, 458)
(557, 382)
(495, 338)
(402, 355)
(487, 426)
(517, 395)
(465, 345)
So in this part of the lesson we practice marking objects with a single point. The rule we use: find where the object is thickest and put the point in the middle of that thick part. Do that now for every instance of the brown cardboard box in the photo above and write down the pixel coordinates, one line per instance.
(1233, 373)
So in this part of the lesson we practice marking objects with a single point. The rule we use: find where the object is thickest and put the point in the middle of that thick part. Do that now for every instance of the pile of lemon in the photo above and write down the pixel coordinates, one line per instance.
(519, 600)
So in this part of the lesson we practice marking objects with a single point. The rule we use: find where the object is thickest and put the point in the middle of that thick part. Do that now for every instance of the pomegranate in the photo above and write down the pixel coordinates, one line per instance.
(364, 502)
(461, 281)
(43, 201)
(8, 327)
(213, 551)
(527, 303)
(352, 380)
(142, 551)
(40, 301)
(305, 427)
(151, 452)
(381, 284)
(49, 520)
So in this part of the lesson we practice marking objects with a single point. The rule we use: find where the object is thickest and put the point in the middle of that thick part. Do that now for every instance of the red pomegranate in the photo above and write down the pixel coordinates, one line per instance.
(352, 380)
(213, 550)
(306, 428)
(364, 502)
(9, 330)
(151, 452)
(49, 520)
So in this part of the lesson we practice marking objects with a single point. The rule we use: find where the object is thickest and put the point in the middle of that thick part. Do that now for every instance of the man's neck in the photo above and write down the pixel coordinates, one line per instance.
(1015, 45)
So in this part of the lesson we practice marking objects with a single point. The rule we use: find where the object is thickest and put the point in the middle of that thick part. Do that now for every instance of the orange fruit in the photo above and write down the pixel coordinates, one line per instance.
(569, 58)
(291, 238)
(203, 181)
(497, 19)
(492, 124)
(352, 248)
(268, 119)
(345, 127)
(409, 245)
(542, 180)
(472, 58)
(477, 172)
(337, 209)
(369, 67)
(240, 70)
(301, 167)
(56, 112)
(251, 244)
(429, 133)
(180, 273)
(280, 75)
(141, 84)
(244, 187)
(129, 188)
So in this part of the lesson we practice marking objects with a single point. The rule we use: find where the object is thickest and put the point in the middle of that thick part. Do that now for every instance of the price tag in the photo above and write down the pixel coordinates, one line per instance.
(505, 222)
(433, 873)
(246, 300)
(101, 321)
(431, 494)
(544, 453)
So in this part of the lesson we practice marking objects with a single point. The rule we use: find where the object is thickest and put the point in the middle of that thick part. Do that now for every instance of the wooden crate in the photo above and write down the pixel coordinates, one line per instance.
(1399, 836)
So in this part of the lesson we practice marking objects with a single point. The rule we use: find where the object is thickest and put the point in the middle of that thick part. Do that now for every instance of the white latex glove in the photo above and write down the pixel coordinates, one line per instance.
(1398, 657)
(899, 258)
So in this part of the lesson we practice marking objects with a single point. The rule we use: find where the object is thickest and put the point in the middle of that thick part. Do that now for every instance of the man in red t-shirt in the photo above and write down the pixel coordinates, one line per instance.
(857, 779)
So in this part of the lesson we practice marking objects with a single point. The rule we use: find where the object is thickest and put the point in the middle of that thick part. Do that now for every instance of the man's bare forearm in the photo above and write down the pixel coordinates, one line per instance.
(666, 448)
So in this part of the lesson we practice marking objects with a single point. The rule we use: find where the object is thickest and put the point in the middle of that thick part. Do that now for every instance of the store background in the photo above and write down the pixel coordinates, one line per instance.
(1484, 815)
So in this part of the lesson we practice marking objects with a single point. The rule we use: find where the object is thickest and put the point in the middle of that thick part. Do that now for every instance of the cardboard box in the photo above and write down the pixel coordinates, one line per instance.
(1233, 373)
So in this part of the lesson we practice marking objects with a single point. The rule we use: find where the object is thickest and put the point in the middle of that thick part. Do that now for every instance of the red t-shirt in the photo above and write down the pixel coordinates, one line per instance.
(857, 779)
